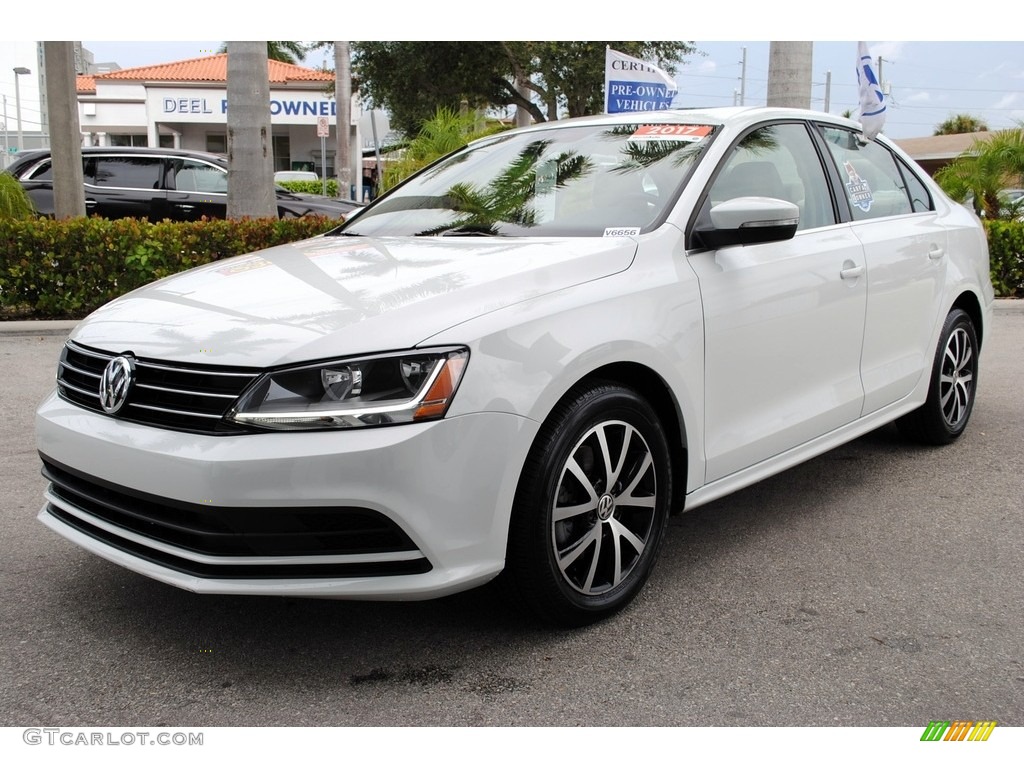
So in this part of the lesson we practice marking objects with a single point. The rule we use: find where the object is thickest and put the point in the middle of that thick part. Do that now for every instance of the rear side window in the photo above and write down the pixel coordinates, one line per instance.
(130, 172)
(920, 198)
(874, 184)
(192, 176)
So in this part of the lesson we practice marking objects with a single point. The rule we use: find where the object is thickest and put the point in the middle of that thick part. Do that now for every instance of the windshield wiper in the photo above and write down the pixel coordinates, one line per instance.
(465, 230)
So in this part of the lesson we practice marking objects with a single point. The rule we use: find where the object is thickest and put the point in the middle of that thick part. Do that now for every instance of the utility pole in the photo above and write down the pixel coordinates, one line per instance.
(743, 76)
(881, 82)
(828, 87)
(6, 151)
(343, 99)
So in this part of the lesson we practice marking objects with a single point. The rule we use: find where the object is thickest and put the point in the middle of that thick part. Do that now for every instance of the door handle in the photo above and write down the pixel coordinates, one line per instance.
(936, 253)
(851, 273)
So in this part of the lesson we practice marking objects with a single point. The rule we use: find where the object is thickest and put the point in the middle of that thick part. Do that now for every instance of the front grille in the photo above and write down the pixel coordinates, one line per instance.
(363, 542)
(192, 398)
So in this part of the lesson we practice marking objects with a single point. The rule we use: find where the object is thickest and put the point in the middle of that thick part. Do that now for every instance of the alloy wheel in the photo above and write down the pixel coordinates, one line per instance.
(604, 507)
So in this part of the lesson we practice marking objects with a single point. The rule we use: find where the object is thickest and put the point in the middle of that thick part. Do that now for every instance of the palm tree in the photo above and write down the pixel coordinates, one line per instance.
(250, 153)
(288, 52)
(988, 167)
(445, 132)
(960, 124)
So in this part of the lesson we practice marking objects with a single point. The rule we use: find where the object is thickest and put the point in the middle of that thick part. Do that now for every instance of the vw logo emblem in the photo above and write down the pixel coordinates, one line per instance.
(116, 381)
(605, 507)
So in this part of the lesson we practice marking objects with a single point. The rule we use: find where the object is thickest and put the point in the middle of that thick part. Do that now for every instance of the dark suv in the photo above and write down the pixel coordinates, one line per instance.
(157, 184)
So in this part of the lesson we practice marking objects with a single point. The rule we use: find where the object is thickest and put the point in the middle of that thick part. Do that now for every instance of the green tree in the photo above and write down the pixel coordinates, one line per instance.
(960, 124)
(989, 166)
(445, 132)
(288, 52)
(412, 79)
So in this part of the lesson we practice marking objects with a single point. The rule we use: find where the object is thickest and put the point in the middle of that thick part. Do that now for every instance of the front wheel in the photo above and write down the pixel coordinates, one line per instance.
(954, 382)
(591, 507)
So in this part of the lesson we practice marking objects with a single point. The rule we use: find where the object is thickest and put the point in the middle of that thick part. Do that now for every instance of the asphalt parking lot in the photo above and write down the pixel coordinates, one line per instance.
(879, 584)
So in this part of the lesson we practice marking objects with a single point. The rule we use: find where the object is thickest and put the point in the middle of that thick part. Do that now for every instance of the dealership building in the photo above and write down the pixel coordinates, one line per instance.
(183, 104)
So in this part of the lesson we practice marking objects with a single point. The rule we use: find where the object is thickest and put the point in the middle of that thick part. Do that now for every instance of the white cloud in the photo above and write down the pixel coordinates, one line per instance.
(921, 97)
(1008, 101)
(889, 50)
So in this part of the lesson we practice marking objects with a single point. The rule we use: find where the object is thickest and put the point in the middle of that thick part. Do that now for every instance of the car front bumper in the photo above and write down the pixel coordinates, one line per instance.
(406, 512)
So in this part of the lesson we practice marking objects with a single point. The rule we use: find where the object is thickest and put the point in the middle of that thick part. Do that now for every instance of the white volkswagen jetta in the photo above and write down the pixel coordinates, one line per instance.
(520, 362)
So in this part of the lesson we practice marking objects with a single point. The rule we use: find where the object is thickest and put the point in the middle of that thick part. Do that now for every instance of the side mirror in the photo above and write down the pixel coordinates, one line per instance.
(750, 220)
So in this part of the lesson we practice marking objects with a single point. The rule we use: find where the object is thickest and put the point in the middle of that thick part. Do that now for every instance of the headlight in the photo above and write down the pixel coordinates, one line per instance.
(393, 388)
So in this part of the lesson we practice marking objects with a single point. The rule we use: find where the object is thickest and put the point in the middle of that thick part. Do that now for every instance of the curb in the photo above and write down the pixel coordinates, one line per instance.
(37, 327)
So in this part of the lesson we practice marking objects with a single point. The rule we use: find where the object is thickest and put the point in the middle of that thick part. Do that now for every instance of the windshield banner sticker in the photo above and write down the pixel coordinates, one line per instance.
(857, 188)
(671, 132)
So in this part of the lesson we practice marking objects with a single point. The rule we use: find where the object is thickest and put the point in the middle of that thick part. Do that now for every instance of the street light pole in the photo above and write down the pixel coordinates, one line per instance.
(18, 71)
(4, 163)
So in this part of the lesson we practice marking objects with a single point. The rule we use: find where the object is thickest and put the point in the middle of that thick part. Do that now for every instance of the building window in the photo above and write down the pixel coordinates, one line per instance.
(282, 153)
(129, 140)
(166, 141)
(217, 143)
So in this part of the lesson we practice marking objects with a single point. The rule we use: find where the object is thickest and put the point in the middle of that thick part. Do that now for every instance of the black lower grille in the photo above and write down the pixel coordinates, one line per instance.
(233, 531)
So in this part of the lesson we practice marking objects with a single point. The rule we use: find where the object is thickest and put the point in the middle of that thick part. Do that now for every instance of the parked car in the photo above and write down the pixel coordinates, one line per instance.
(520, 361)
(157, 184)
(280, 176)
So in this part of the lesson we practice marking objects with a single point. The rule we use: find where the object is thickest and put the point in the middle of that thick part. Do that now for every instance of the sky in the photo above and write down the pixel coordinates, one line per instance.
(930, 76)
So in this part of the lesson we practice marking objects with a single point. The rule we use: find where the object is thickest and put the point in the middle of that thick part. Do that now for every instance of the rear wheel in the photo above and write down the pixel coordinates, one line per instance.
(591, 507)
(954, 379)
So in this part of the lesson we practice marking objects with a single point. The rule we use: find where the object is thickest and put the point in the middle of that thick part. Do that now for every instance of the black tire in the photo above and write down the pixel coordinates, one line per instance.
(603, 454)
(954, 382)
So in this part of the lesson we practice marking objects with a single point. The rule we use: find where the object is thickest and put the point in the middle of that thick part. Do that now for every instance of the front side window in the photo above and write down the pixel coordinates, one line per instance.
(574, 181)
(777, 161)
(42, 172)
(872, 182)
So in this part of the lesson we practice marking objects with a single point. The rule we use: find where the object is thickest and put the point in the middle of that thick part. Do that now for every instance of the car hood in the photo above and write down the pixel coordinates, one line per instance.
(301, 203)
(335, 295)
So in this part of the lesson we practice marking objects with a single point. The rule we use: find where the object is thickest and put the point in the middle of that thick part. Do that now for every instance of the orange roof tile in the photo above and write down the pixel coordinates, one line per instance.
(213, 69)
(85, 84)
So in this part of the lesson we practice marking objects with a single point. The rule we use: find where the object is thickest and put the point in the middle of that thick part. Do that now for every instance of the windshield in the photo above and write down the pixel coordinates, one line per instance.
(581, 181)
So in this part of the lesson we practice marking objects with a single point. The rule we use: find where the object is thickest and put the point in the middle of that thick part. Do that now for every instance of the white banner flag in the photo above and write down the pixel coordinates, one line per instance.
(633, 85)
(872, 100)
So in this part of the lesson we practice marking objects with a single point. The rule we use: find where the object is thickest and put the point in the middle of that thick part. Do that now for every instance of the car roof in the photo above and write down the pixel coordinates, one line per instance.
(734, 116)
(142, 151)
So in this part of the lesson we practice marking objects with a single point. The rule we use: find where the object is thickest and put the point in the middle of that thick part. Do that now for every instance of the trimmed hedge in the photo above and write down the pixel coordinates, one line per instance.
(312, 187)
(65, 269)
(1006, 257)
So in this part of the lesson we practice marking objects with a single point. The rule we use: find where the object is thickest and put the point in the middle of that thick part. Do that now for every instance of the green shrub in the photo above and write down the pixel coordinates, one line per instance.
(312, 187)
(1006, 257)
(14, 201)
(66, 269)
